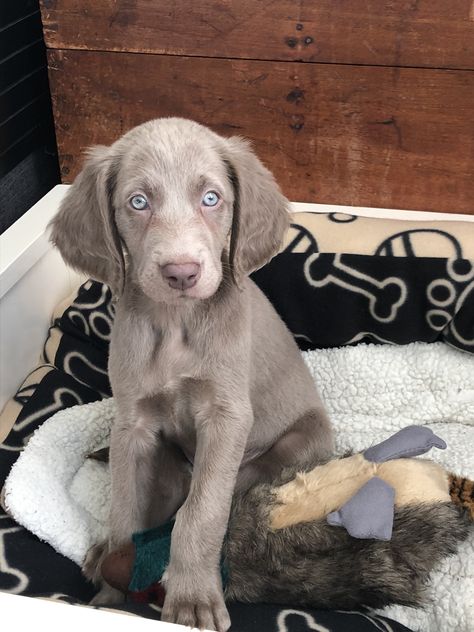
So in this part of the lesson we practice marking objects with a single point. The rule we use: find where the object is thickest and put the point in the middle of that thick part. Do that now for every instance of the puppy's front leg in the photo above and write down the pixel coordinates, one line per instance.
(194, 595)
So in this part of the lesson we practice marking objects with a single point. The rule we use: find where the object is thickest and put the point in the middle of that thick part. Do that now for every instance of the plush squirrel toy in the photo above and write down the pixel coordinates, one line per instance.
(366, 529)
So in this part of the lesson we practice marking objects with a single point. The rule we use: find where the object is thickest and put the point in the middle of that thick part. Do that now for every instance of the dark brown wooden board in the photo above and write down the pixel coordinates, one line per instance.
(357, 135)
(424, 33)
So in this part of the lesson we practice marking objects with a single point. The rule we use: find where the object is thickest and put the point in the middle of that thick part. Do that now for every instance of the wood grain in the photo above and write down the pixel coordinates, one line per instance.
(370, 136)
(425, 33)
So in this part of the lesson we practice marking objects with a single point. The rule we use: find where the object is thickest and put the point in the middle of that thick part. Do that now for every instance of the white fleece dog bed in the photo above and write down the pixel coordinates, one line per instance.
(370, 392)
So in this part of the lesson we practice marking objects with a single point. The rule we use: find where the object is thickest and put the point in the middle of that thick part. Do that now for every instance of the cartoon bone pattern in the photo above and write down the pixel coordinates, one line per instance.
(379, 293)
(5, 568)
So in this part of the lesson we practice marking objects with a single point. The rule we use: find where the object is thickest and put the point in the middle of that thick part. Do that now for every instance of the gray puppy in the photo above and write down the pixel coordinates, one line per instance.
(212, 393)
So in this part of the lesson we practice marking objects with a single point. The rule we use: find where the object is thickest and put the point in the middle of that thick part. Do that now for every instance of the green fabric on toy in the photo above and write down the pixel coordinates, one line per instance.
(152, 555)
(285, 542)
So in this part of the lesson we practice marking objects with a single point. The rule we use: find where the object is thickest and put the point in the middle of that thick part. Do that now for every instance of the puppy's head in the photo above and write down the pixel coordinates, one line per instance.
(174, 207)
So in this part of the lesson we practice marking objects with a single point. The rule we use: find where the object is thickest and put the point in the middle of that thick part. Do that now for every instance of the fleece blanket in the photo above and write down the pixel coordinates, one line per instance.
(370, 392)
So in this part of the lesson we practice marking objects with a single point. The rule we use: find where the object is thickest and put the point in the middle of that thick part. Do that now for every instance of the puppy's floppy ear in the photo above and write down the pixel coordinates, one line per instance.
(260, 210)
(84, 229)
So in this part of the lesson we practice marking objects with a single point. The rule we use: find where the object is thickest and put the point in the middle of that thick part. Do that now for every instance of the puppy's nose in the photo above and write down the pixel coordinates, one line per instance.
(181, 276)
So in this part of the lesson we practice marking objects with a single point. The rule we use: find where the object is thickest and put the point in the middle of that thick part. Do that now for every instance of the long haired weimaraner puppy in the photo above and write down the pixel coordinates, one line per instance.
(212, 392)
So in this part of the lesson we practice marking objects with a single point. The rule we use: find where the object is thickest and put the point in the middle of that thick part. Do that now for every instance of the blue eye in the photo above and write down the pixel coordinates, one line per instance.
(211, 198)
(139, 202)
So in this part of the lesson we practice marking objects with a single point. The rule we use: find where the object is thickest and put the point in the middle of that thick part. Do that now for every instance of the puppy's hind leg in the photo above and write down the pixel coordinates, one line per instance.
(165, 489)
(308, 441)
(107, 595)
(132, 452)
(172, 480)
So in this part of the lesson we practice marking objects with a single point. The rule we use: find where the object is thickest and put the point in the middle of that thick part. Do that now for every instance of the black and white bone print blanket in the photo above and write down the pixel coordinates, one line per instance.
(343, 279)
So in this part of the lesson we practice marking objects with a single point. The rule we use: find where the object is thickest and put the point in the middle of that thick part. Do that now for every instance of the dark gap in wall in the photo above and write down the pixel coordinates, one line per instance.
(28, 154)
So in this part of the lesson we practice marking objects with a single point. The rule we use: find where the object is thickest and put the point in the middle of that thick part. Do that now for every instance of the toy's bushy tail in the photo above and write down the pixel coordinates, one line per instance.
(315, 564)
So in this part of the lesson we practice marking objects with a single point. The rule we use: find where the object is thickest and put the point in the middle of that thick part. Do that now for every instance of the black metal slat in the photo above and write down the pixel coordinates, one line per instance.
(39, 135)
(20, 94)
(12, 11)
(23, 121)
(14, 154)
(19, 34)
(21, 63)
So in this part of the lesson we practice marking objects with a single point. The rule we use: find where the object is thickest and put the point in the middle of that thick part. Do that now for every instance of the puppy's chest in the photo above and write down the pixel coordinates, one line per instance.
(174, 390)
(169, 359)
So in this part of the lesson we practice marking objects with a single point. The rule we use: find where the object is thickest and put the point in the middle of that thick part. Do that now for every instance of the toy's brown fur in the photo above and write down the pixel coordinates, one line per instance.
(461, 491)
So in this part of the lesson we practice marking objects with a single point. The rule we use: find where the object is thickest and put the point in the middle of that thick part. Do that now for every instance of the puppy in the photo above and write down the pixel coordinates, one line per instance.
(211, 390)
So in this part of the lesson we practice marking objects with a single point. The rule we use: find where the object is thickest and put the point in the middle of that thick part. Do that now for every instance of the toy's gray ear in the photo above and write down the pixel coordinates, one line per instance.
(369, 513)
(406, 443)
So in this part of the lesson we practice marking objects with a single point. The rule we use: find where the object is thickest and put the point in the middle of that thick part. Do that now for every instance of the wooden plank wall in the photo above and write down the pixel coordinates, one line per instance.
(363, 102)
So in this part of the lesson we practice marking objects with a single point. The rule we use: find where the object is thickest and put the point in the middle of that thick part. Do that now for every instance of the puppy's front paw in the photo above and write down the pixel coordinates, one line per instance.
(195, 602)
